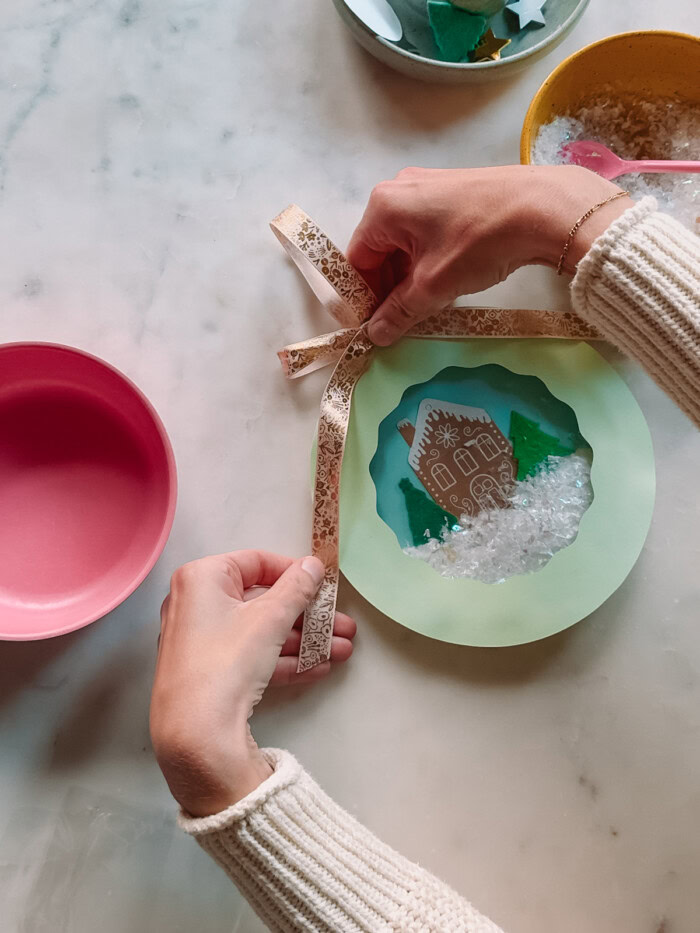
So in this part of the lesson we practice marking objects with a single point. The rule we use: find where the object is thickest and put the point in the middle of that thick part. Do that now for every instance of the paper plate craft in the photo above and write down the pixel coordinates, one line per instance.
(489, 480)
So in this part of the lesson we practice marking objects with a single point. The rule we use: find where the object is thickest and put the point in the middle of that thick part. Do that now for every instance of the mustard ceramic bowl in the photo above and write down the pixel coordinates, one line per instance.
(655, 63)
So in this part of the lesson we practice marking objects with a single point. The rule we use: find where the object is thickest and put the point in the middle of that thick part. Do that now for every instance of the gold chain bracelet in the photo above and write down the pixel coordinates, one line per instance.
(581, 220)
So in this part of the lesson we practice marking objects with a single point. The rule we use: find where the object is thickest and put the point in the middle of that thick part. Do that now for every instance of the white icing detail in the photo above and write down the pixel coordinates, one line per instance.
(428, 411)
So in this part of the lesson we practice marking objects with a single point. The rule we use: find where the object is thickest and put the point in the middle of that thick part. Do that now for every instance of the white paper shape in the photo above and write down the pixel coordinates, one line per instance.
(378, 16)
(528, 11)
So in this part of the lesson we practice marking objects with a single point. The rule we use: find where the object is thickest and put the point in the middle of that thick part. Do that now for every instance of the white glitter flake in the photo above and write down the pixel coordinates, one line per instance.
(500, 543)
(635, 128)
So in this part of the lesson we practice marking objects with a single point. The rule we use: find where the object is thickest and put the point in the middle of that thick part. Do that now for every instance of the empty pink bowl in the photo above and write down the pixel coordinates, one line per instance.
(87, 489)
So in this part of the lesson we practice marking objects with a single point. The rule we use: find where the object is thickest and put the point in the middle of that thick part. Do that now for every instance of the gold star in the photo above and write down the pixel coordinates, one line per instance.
(489, 47)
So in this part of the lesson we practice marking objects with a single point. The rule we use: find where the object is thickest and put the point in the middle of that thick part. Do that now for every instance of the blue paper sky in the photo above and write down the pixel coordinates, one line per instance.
(491, 387)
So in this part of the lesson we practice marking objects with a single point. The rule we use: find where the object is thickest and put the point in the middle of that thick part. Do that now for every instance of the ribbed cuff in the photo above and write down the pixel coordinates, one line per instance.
(286, 771)
(604, 246)
(304, 864)
(639, 285)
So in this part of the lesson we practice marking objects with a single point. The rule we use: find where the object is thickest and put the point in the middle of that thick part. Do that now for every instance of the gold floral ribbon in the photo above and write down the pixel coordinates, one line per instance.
(349, 299)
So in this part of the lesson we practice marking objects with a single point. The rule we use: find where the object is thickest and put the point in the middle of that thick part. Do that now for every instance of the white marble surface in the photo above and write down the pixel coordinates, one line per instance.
(144, 145)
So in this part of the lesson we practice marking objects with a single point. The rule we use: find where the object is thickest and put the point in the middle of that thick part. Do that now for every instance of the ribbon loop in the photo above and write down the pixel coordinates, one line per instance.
(339, 288)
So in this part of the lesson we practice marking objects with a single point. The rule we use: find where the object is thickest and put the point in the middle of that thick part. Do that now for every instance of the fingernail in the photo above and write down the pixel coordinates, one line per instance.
(382, 333)
(314, 568)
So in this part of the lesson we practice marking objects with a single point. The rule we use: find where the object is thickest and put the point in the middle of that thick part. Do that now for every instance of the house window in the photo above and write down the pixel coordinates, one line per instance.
(442, 476)
(487, 446)
(465, 460)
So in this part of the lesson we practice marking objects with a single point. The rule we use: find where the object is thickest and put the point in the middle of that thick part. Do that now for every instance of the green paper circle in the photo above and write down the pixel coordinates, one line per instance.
(577, 579)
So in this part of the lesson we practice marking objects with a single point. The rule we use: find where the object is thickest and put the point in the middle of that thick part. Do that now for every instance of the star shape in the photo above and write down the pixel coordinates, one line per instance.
(489, 47)
(527, 11)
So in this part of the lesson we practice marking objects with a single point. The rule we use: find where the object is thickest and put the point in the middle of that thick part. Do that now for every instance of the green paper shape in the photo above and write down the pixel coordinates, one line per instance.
(456, 32)
(424, 514)
(532, 446)
(579, 578)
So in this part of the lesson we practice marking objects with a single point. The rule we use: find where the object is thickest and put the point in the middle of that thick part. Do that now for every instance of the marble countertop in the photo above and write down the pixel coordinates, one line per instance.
(144, 145)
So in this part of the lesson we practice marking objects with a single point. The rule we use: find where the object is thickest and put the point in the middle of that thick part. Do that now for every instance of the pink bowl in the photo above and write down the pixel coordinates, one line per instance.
(87, 489)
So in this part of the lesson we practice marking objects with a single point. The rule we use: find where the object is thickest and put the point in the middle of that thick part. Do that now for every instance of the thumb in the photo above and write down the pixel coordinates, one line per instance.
(364, 257)
(404, 306)
(295, 589)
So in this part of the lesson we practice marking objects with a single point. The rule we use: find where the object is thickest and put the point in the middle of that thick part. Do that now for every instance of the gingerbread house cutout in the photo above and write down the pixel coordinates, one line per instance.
(461, 457)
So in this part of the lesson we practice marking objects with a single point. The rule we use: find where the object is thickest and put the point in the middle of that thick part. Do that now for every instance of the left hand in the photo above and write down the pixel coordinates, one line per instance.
(229, 627)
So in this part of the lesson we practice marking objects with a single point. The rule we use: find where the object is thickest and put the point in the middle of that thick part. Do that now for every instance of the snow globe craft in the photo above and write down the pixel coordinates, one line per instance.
(487, 493)
(491, 480)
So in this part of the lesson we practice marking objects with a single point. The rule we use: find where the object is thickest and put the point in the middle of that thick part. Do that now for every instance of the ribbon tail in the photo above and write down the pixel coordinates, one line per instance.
(317, 630)
(298, 359)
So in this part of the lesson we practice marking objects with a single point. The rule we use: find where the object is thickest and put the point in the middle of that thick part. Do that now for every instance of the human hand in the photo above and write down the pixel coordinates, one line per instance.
(229, 627)
(431, 235)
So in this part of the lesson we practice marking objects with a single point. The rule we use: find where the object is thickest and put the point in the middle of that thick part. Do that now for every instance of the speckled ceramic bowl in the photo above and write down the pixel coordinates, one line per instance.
(652, 63)
(416, 54)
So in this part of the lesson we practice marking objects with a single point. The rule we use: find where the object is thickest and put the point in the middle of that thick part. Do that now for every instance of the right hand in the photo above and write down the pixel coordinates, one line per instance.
(431, 235)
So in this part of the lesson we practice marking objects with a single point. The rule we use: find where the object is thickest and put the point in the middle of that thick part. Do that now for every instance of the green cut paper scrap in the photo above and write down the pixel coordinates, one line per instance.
(424, 514)
(579, 578)
(456, 32)
(532, 446)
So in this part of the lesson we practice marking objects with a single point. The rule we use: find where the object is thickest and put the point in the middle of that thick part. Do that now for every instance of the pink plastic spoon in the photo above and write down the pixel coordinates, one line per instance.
(599, 159)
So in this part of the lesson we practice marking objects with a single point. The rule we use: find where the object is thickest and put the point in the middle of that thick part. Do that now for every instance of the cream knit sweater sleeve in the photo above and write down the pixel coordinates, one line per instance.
(639, 285)
(304, 864)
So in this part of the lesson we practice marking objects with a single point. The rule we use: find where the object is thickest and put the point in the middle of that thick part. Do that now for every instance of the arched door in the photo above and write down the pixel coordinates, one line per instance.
(487, 492)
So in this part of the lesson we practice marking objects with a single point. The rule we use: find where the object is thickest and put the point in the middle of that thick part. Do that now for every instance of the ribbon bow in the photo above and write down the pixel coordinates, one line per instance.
(351, 302)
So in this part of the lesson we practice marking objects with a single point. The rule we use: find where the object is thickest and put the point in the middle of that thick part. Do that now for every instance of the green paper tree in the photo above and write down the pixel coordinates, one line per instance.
(424, 514)
(532, 446)
(456, 32)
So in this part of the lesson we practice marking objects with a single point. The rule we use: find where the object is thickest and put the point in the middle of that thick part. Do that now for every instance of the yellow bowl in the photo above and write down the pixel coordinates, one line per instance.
(651, 64)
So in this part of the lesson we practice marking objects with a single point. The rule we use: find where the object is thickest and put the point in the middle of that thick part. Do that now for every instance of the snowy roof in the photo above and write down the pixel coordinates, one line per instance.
(432, 408)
